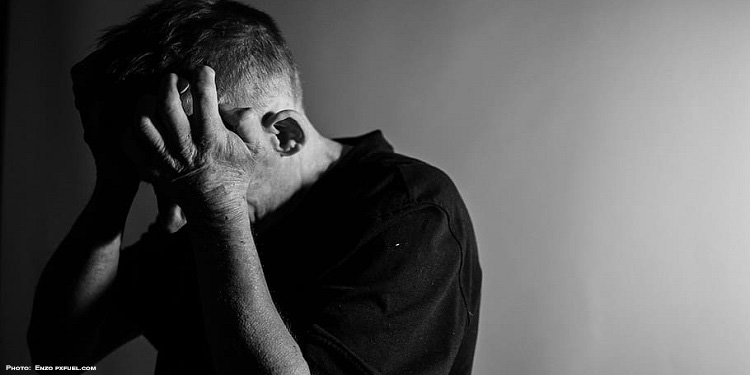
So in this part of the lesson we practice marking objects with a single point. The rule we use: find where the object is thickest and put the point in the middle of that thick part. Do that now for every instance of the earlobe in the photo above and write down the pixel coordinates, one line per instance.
(287, 130)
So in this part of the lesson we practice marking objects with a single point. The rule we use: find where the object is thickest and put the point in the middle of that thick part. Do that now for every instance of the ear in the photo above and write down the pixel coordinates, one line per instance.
(289, 134)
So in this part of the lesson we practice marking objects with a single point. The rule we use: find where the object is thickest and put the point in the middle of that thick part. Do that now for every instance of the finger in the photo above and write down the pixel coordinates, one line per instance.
(175, 123)
(152, 142)
(205, 102)
(145, 127)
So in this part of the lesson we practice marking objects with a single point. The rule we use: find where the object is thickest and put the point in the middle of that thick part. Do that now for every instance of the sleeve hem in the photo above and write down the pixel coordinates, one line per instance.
(318, 335)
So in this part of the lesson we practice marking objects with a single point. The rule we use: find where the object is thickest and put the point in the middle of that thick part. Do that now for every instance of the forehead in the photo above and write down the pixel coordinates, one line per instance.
(255, 94)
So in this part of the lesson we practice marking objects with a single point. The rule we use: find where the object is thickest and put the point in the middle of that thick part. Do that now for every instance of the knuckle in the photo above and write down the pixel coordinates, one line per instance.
(185, 140)
(194, 156)
(170, 110)
(206, 90)
(206, 83)
(204, 119)
(187, 150)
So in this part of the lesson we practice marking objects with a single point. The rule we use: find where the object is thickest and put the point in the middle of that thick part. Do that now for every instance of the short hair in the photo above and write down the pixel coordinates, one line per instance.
(242, 44)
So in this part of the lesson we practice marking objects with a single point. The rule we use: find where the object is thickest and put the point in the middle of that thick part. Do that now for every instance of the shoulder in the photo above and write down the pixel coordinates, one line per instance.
(408, 270)
(390, 183)
(375, 191)
(385, 181)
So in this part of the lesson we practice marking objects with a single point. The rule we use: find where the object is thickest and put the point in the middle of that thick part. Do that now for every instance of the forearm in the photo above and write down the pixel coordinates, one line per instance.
(70, 300)
(244, 328)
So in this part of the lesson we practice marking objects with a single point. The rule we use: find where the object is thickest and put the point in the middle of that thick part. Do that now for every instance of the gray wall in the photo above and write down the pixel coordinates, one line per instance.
(601, 147)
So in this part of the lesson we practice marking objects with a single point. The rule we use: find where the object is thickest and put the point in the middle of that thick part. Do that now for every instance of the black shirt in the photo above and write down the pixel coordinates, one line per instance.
(375, 272)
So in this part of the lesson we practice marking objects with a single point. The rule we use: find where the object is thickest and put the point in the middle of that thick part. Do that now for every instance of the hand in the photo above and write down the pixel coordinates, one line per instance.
(103, 118)
(196, 159)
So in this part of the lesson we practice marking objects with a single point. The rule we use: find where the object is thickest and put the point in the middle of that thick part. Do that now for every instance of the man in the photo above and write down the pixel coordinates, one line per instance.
(276, 250)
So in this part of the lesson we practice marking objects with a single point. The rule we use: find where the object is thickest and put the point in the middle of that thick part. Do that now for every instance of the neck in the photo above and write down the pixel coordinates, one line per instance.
(327, 152)
(318, 155)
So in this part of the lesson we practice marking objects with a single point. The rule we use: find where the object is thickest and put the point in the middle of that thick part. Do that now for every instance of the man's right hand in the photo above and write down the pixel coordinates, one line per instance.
(104, 117)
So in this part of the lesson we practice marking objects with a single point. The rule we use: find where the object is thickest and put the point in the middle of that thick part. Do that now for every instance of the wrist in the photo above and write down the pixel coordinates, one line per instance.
(109, 191)
(114, 172)
(218, 206)
(108, 208)
(208, 189)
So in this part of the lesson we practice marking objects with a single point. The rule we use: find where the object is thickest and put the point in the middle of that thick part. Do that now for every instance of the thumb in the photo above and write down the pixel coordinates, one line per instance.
(170, 215)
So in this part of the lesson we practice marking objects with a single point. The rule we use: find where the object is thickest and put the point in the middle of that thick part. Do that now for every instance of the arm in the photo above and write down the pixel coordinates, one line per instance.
(208, 170)
(71, 320)
(402, 303)
(244, 328)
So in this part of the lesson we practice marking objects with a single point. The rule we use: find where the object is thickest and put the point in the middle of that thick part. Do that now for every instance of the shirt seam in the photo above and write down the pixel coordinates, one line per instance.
(461, 254)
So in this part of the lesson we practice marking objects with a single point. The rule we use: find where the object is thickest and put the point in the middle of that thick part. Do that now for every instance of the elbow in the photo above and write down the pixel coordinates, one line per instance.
(40, 347)
(39, 353)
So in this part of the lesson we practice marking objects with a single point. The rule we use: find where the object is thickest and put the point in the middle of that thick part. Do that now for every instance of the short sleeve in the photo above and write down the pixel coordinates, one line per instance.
(397, 305)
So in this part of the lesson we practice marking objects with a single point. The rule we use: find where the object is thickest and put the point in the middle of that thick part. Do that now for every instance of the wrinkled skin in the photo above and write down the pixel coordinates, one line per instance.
(196, 159)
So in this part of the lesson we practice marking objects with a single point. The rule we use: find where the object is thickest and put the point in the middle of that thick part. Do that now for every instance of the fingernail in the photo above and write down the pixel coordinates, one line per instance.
(182, 85)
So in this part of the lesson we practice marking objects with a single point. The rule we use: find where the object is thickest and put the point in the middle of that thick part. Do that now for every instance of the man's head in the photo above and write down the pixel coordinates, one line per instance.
(243, 45)
(257, 85)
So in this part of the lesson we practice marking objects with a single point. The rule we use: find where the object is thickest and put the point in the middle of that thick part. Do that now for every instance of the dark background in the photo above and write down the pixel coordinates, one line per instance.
(601, 147)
